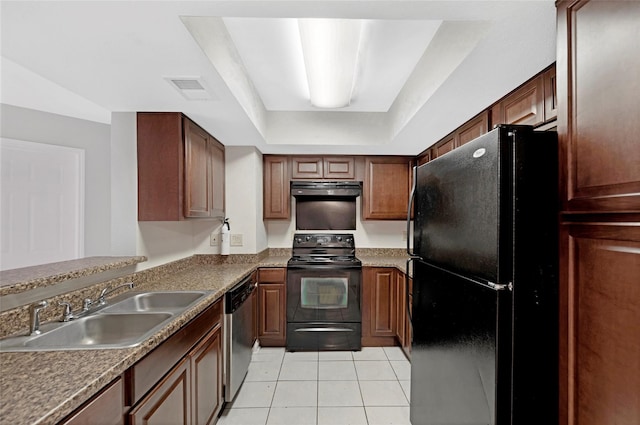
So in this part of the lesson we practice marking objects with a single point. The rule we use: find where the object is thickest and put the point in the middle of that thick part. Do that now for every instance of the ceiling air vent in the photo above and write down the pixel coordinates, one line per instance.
(191, 88)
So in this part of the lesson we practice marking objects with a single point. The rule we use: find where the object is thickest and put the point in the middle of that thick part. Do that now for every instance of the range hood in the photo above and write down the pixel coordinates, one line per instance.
(324, 189)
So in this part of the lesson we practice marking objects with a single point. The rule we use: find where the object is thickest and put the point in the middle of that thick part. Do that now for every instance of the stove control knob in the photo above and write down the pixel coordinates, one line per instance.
(307, 238)
(298, 240)
(339, 238)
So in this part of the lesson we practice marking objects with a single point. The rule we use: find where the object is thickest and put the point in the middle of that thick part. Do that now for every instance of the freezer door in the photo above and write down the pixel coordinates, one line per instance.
(461, 352)
(458, 207)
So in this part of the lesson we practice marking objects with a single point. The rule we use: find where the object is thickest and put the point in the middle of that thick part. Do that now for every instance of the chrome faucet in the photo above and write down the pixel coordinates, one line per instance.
(106, 291)
(34, 316)
(67, 314)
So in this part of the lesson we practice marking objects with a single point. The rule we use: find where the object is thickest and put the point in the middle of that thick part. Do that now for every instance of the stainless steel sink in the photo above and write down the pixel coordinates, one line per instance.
(154, 301)
(125, 322)
(102, 329)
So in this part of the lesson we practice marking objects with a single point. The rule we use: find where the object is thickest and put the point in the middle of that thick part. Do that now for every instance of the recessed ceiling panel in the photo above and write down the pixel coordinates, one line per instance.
(271, 52)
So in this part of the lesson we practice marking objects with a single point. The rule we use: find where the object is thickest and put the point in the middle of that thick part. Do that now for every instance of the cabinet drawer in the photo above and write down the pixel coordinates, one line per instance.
(273, 275)
(106, 408)
(147, 372)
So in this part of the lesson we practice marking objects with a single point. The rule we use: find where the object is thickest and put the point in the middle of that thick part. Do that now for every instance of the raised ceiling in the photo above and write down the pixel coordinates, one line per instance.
(427, 66)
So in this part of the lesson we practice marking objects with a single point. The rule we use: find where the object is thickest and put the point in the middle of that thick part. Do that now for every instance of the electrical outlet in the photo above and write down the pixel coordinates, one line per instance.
(236, 240)
(214, 239)
(404, 235)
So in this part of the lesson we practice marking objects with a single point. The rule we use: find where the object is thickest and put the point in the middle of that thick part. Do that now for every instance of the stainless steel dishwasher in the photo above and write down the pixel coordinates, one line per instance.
(238, 329)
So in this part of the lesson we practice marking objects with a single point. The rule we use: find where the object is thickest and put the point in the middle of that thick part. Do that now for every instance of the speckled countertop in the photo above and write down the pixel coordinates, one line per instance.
(44, 387)
(25, 278)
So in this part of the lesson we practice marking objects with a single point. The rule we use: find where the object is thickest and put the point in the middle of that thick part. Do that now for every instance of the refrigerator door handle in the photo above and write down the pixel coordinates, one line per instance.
(501, 287)
(411, 197)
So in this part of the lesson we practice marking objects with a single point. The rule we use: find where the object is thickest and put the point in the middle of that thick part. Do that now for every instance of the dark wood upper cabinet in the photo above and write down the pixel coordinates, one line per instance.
(180, 169)
(197, 169)
(424, 157)
(276, 190)
(475, 127)
(339, 167)
(306, 167)
(550, 94)
(386, 188)
(472, 129)
(319, 168)
(445, 145)
(598, 127)
(598, 81)
(524, 106)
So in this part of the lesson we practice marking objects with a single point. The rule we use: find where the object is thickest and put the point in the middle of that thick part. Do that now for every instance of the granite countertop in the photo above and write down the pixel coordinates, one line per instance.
(399, 262)
(25, 278)
(43, 387)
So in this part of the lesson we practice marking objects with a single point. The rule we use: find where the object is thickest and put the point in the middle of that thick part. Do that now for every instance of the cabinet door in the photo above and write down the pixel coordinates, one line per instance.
(206, 378)
(160, 153)
(550, 94)
(339, 167)
(598, 83)
(524, 106)
(378, 306)
(476, 127)
(306, 167)
(168, 402)
(254, 308)
(272, 320)
(106, 408)
(216, 150)
(401, 307)
(424, 157)
(408, 333)
(387, 185)
(600, 323)
(277, 193)
(197, 182)
(446, 145)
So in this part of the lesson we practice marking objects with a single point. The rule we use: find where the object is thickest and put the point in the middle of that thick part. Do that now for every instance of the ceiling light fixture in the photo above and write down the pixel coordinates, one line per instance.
(330, 48)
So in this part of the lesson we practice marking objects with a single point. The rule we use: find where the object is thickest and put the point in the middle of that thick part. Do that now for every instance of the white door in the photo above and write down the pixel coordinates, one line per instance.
(42, 203)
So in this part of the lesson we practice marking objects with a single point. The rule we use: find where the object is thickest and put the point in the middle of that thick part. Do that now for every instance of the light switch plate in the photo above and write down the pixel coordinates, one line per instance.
(236, 239)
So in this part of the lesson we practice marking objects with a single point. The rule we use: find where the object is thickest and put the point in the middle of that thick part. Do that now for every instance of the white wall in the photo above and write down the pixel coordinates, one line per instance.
(94, 138)
(368, 234)
(243, 200)
(111, 226)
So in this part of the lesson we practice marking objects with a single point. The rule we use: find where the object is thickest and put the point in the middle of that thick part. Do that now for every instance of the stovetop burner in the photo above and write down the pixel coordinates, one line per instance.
(324, 249)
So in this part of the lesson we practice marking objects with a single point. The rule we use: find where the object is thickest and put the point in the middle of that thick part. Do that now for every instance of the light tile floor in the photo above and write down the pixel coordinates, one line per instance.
(368, 387)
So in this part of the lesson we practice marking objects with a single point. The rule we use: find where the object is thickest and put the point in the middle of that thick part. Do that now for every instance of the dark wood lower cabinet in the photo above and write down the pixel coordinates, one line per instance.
(106, 408)
(272, 307)
(600, 323)
(401, 308)
(191, 392)
(206, 378)
(385, 321)
(168, 402)
(378, 306)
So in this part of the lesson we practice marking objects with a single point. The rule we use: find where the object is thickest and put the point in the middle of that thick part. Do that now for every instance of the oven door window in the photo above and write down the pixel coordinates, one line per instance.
(324, 292)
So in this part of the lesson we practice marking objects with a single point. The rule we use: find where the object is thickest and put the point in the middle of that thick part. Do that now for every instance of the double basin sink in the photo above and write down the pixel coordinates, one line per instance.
(126, 321)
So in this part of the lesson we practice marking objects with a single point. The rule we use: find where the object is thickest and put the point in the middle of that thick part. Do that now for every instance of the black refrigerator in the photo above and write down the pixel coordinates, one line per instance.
(485, 289)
